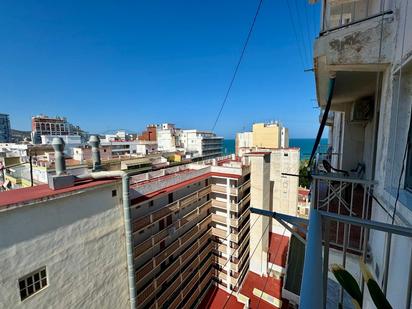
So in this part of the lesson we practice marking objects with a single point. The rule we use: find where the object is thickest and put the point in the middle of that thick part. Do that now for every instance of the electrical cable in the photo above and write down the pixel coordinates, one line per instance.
(238, 64)
(296, 35)
(270, 270)
(260, 239)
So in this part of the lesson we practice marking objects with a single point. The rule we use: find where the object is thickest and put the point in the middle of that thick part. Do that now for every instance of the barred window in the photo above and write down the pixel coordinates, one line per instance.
(32, 283)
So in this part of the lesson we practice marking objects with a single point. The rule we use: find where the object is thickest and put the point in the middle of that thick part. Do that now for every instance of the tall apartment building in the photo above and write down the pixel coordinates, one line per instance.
(284, 189)
(202, 144)
(5, 128)
(363, 54)
(264, 135)
(58, 126)
(270, 135)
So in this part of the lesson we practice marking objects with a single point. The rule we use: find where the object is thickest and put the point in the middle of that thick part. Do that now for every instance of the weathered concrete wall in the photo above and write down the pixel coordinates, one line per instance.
(80, 241)
(284, 188)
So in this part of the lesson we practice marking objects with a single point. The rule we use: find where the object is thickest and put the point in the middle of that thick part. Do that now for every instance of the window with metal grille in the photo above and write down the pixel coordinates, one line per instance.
(32, 283)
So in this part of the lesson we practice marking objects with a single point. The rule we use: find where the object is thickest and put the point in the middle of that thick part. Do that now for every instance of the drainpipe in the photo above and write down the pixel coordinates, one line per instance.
(127, 225)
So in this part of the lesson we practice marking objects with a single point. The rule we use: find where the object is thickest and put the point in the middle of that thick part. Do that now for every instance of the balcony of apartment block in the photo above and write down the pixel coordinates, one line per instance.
(355, 42)
(223, 189)
(342, 230)
(176, 228)
(156, 278)
(194, 282)
(146, 220)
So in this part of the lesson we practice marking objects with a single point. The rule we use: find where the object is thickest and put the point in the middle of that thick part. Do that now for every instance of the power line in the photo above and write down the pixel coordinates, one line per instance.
(238, 63)
(308, 31)
(296, 35)
(250, 256)
(270, 270)
(300, 28)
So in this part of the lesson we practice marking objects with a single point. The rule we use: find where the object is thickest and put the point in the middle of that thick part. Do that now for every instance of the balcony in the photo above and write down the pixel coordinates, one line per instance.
(223, 190)
(173, 269)
(169, 209)
(155, 263)
(162, 235)
(355, 42)
(341, 231)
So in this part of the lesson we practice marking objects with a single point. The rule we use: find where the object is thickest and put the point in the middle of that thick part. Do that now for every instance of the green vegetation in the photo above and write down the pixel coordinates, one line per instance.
(350, 285)
(303, 171)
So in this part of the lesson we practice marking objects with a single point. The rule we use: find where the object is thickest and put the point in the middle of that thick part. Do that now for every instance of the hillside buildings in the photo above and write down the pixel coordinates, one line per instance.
(5, 128)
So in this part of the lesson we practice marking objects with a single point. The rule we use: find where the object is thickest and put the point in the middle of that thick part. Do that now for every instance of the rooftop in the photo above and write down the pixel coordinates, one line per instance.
(25, 196)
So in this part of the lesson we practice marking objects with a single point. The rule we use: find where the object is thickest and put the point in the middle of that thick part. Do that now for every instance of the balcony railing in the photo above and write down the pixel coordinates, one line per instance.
(169, 209)
(339, 231)
(156, 238)
(338, 14)
(147, 292)
(344, 196)
(223, 189)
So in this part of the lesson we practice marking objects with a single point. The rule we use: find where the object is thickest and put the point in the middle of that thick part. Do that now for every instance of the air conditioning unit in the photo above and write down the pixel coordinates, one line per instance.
(362, 110)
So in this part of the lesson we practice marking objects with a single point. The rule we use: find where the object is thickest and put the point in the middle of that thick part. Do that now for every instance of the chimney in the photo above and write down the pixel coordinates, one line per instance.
(60, 163)
(94, 141)
(61, 180)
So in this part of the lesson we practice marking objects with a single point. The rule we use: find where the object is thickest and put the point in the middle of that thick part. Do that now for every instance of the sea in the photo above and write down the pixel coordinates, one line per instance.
(305, 145)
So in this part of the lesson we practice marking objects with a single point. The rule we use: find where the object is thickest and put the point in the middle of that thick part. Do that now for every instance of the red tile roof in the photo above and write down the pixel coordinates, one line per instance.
(269, 285)
(278, 249)
(42, 192)
(217, 298)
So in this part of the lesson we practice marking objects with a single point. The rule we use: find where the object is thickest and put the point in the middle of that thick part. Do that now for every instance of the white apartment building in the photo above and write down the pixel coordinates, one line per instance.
(203, 144)
(120, 148)
(166, 137)
(71, 141)
(244, 142)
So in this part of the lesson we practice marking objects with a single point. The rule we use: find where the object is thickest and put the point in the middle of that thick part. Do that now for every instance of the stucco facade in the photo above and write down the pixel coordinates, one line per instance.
(78, 237)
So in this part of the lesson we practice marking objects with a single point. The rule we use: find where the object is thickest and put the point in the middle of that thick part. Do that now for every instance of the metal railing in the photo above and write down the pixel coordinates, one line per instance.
(339, 231)
(338, 14)
(343, 196)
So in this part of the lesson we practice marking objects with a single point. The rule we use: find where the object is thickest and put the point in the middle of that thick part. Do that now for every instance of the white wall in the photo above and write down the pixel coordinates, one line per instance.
(80, 241)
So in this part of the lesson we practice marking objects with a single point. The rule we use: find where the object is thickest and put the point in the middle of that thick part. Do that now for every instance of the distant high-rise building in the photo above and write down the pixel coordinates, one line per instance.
(203, 144)
(5, 129)
(58, 126)
(264, 135)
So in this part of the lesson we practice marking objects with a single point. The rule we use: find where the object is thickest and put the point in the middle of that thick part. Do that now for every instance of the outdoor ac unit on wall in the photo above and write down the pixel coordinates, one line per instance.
(362, 110)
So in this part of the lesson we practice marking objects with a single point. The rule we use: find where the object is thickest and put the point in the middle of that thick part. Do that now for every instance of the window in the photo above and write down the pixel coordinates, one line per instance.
(170, 198)
(114, 193)
(151, 203)
(32, 283)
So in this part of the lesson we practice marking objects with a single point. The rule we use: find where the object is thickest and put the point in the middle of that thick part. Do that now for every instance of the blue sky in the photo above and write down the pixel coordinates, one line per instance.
(123, 64)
